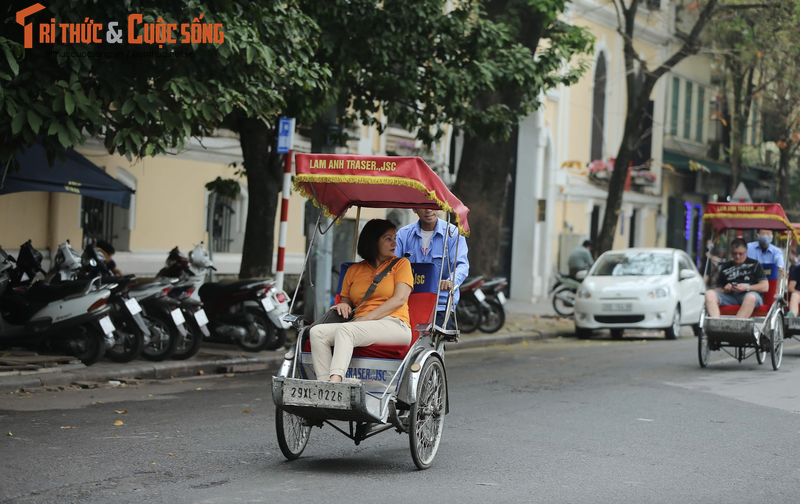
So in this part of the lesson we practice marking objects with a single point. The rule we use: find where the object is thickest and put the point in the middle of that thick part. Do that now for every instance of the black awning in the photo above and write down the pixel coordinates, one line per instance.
(77, 175)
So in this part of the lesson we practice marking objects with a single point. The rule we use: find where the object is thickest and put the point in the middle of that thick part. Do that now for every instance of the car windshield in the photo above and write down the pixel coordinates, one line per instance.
(640, 264)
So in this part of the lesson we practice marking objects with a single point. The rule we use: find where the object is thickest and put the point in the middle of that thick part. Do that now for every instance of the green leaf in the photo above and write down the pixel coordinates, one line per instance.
(17, 122)
(53, 128)
(63, 136)
(63, 84)
(149, 150)
(58, 103)
(12, 62)
(251, 52)
(35, 120)
(128, 106)
(69, 103)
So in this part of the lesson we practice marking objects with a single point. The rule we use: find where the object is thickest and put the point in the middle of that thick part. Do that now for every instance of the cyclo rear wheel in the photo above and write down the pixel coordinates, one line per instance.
(776, 345)
(426, 418)
(702, 349)
(292, 434)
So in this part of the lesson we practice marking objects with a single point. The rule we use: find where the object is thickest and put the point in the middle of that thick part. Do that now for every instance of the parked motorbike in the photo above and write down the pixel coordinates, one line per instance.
(196, 321)
(131, 334)
(563, 294)
(493, 314)
(469, 310)
(249, 312)
(70, 317)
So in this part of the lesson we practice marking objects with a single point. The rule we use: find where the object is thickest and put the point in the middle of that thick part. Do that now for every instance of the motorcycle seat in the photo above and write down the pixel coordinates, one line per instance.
(210, 290)
(43, 292)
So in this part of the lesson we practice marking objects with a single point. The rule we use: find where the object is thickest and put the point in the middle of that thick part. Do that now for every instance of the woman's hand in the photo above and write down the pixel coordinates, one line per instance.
(343, 309)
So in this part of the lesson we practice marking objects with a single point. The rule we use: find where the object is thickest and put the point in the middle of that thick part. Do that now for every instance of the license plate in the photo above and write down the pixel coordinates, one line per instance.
(177, 316)
(267, 304)
(200, 317)
(107, 325)
(318, 394)
(480, 295)
(617, 307)
(793, 323)
(133, 306)
(501, 297)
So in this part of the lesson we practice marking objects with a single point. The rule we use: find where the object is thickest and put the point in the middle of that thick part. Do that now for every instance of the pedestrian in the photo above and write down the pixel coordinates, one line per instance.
(794, 292)
(108, 251)
(764, 252)
(381, 313)
(741, 281)
(423, 242)
(580, 258)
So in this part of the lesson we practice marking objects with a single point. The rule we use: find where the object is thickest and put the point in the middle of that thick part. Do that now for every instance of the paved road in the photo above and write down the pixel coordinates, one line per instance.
(554, 421)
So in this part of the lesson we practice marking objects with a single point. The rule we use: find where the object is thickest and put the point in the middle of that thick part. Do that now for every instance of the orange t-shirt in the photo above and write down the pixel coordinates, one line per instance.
(359, 277)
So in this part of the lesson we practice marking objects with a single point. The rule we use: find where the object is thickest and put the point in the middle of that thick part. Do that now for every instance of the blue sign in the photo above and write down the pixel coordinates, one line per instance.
(284, 135)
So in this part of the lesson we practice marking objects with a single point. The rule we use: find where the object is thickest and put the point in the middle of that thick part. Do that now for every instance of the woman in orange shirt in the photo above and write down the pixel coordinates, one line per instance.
(382, 318)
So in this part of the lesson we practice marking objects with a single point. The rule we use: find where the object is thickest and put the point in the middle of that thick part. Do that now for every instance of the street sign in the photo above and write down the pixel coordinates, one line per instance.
(285, 135)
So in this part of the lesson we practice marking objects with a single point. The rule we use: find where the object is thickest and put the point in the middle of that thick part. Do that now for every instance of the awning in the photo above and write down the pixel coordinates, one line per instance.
(681, 162)
(337, 182)
(77, 175)
(748, 216)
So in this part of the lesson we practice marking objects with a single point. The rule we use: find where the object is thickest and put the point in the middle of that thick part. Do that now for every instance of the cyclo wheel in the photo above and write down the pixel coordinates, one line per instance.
(292, 434)
(776, 345)
(426, 418)
(702, 349)
(761, 354)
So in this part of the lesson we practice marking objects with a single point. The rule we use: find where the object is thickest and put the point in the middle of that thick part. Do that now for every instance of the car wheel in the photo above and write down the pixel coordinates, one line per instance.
(617, 333)
(674, 330)
(583, 333)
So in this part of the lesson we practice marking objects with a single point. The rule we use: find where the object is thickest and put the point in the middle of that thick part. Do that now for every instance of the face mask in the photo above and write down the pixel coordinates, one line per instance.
(764, 240)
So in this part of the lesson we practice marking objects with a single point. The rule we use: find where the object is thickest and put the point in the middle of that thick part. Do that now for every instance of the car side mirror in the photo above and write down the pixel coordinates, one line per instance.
(686, 274)
(581, 275)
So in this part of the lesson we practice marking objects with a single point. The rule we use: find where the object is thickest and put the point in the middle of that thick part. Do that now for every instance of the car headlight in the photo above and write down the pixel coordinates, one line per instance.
(584, 294)
(659, 293)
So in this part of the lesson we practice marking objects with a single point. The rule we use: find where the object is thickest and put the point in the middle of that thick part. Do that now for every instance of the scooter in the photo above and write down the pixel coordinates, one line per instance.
(70, 317)
(249, 312)
(131, 335)
(196, 321)
(563, 294)
(493, 315)
(469, 310)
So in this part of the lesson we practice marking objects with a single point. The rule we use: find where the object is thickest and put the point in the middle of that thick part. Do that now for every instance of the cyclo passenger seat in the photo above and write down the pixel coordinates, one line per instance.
(771, 271)
(421, 305)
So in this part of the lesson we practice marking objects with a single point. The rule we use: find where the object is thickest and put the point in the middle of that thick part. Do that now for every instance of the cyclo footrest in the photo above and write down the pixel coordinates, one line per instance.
(313, 399)
(732, 331)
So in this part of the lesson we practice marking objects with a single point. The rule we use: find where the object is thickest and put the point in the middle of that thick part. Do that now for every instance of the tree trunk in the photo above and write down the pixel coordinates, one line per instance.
(263, 169)
(482, 186)
(784, 188)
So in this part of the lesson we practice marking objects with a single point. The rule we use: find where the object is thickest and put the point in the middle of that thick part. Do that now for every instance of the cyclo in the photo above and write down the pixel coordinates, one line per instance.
(764, 331)
(401, 387)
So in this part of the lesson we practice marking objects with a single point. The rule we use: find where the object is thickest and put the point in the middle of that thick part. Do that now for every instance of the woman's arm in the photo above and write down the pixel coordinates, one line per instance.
(398, 299)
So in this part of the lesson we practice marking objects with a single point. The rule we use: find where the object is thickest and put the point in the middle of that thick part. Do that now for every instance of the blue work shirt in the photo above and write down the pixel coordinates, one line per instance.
(772, 255)
(409, 244)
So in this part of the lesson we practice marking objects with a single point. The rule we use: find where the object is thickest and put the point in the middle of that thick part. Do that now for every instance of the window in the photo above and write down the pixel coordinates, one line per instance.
(698, 131)
(676, 92)
(687, 111)
(598, 108)
(653, 5)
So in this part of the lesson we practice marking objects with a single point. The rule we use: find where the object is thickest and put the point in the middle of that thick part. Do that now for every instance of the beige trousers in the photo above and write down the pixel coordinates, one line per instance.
(344, 337)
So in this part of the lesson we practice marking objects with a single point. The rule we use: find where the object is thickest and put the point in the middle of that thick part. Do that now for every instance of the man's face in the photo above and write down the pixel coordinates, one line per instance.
(765, 232)
(426, 215)
(739, 255)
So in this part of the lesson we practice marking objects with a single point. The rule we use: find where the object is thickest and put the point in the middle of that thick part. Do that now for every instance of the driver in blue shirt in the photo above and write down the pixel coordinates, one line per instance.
(764, 252)
(423, 242)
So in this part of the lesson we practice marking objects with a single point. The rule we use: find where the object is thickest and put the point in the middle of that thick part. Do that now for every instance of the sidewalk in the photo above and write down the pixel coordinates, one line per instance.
(524, 322)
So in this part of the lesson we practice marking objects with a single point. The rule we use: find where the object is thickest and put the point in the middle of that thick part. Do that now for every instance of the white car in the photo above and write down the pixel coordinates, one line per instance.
(642, 288)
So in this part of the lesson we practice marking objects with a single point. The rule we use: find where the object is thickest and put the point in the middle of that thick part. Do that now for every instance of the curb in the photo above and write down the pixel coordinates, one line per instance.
(268, 363)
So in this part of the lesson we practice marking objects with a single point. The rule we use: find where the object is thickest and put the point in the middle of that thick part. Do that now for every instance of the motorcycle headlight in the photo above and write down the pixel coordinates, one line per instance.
(584, 294)
(661, 292)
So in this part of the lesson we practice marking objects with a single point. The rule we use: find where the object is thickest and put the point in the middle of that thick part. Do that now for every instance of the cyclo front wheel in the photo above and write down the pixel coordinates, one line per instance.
(702, 349)
(292, 434)
(776, 345)
(426, 418)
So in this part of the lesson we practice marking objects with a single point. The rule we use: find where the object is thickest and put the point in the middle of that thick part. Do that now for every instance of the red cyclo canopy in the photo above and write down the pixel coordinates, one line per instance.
(337, 182)
(748, 216)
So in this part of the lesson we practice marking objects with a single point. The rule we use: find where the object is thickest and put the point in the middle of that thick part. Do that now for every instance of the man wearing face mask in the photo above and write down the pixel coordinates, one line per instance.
(764, 252)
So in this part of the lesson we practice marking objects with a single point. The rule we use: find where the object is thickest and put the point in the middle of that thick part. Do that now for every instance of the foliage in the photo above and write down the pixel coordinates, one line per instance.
(227, 188)
(147, 105)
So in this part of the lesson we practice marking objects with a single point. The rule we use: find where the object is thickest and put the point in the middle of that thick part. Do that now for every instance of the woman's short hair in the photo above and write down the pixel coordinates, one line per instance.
(368, 239)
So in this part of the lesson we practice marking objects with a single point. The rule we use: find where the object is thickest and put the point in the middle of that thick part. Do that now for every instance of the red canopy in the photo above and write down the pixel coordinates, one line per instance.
(337, 182)
(748, 216)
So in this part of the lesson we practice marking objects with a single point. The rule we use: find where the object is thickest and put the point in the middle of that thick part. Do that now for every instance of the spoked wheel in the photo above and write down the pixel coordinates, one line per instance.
(761, 354)
(776, 345)
(564, 301)
(292, 433)
(426, 418)
(702, 349)
(468, 313)
(494, 318)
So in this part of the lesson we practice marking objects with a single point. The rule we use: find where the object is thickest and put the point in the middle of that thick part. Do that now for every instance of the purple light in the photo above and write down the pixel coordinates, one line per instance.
(699, 232)
(688, 233)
